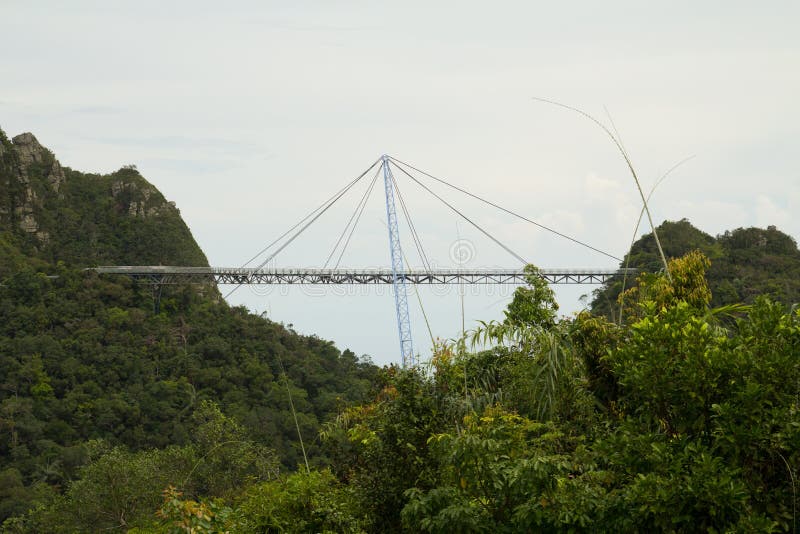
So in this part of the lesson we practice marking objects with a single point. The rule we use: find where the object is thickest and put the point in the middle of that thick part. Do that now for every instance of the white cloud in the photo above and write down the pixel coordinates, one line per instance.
(712, 216)
(599, 188)
(324, 90)
(769, 213)
(567, 221)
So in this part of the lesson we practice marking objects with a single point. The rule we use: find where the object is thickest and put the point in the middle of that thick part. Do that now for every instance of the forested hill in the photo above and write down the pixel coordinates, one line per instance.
(745, 263)
(88, 370)
(54, 213)
(118, 418)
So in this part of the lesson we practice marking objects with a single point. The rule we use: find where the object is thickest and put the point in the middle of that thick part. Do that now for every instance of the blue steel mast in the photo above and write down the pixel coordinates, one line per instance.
(398, 278)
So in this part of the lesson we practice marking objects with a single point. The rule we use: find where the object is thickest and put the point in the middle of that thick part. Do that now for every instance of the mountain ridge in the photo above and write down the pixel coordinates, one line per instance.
(745, 263)
(55, 213)
(87, 361)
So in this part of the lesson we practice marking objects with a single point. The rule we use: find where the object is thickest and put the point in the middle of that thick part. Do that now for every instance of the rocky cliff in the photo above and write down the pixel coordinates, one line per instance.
(59, 214)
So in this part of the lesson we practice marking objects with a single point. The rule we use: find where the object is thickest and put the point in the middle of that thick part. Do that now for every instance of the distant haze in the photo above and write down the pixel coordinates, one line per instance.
(250, 115)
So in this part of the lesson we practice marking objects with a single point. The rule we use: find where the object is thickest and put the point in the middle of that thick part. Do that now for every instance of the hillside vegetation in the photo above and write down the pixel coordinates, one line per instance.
(56, 214)
(87, 369)
(745, 263)
(682, 417)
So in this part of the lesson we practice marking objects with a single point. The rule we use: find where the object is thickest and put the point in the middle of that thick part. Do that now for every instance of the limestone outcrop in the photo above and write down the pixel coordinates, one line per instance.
(32, 155)
(61, 214)
(36, 181)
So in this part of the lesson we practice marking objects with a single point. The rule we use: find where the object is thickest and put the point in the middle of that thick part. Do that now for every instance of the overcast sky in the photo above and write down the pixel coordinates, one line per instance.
(250, 114)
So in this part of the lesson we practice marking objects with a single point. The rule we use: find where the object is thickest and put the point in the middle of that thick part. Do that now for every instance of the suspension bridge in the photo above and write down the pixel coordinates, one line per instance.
(164, 275)
(399, 275)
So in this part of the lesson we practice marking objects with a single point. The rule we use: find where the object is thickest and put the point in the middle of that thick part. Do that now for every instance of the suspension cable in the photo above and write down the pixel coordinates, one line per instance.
(626, 157)
(618, 143)
(353, 229)
(304, 219)
(517, 215)
(353, 216)
(414, 234)
(319, 213)
(317, 216)
(421, 307)
(473, 223)
(409, 270)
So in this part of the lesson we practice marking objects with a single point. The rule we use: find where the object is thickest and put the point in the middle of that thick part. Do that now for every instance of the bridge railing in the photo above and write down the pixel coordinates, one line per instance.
(162, 274)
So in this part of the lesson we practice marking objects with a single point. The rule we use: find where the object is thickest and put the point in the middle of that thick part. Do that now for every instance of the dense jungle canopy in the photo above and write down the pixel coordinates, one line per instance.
(672, 405)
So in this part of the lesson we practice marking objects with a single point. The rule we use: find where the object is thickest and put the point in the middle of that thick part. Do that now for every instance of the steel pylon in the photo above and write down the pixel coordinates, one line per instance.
(408, 358)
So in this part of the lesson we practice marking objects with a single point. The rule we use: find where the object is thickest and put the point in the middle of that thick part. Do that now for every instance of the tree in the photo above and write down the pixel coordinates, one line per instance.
(534, 304)
(301, 502)
(687, 283)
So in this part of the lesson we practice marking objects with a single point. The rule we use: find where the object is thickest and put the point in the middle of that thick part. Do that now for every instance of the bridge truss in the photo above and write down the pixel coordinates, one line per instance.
(399, 275)
(165, 275)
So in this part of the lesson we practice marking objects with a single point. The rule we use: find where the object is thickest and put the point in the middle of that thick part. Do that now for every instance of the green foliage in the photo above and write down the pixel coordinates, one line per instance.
(87, 219)
(495, 465)
(227, 458)
(683, 418)
(382, 448)
(313, 502)
(686, 283)
(115, 219)
(12, 192)
(118, 490)
(534, 304)
(660, 483)
(191, 517)
(698, 430)
(677, 422)
(592, 339)
(745, 263)
(673, 369)
(542, 376)
(82, 357)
